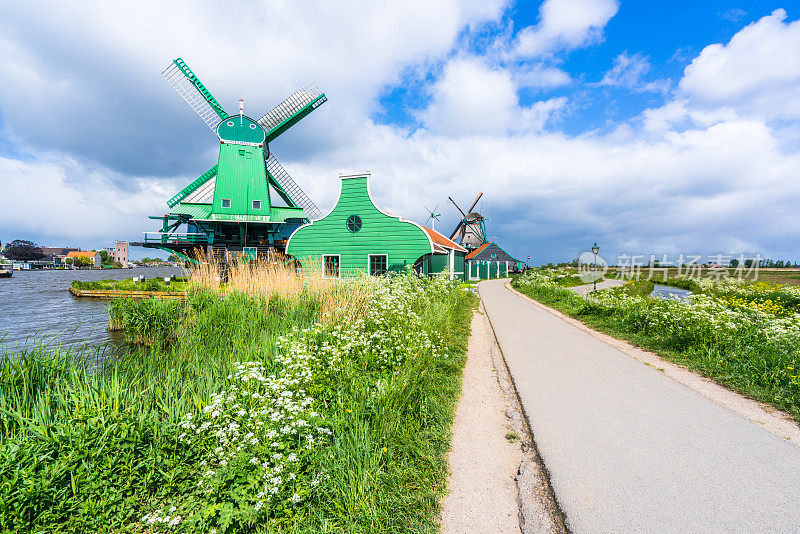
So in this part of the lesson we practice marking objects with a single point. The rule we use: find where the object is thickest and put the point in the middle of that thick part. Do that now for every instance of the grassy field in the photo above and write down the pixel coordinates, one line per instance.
(745, 336)
(178, 285)
(300, 406)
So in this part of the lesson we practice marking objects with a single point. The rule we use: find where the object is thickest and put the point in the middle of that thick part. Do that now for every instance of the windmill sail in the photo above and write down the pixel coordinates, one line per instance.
(196, 190)
(460, 223)
(189, 86)
(290, 111)
(279, 174)
(204, 194)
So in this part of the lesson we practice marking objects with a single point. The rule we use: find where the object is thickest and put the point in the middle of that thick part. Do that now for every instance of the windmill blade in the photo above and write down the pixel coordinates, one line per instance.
(480, 194)
(458, 227)
(189, 86)
(279, 175)
(290, 111)
(456, 205)
(200, 184)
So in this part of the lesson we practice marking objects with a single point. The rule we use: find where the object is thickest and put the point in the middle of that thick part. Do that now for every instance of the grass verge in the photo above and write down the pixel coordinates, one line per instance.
(238, 412)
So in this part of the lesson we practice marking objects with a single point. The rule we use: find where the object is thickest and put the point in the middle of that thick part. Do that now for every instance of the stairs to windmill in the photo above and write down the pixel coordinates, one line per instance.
(264, 252)
(219, 253)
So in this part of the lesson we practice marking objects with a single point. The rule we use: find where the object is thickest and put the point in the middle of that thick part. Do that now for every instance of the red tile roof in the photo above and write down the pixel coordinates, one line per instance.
(442, 241)
(477, 251)
(81, 253)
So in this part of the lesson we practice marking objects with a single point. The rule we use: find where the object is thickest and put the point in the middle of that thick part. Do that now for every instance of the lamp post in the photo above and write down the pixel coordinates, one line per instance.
(595, 250)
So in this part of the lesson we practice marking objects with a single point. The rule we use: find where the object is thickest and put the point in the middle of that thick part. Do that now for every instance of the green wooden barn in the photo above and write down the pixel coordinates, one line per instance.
(489, 261)
(357, 237)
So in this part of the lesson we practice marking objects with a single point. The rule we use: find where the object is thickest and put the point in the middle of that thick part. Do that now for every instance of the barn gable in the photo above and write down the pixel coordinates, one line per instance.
(490, 252)
(357, 236)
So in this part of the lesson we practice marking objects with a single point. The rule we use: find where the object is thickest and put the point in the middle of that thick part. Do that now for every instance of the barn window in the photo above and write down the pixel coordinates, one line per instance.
(256, 204)
(226, 203)
(354, 223)
(331, 265)
(378, 264)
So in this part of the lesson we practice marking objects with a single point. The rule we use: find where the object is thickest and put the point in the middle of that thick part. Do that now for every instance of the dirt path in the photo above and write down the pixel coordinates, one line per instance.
(483, 462)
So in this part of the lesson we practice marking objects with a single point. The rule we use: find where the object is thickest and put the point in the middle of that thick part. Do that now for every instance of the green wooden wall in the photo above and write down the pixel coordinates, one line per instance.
(404, 242)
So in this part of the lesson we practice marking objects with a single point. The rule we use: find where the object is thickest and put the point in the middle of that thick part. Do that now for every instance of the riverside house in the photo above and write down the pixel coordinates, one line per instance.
(92, 255)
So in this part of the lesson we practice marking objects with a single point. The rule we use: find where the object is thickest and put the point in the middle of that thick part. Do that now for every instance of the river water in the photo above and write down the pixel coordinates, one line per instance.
(670, 292)
(37, 307)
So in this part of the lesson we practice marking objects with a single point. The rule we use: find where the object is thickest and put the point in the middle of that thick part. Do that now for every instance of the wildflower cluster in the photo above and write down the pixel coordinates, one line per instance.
(388, 332)
(258, 435)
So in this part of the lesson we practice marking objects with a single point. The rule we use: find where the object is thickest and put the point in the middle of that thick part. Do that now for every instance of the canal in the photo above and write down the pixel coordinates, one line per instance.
(669, 292)
(37, 307)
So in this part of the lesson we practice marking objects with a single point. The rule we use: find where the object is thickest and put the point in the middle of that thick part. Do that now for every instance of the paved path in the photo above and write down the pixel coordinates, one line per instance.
(611, 282)
(631, 450)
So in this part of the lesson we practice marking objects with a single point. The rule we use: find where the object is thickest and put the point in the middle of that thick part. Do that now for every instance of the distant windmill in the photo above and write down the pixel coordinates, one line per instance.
(432, 216)
(471, 229)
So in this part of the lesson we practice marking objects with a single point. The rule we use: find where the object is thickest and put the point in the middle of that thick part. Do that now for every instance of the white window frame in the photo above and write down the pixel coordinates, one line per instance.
(369, 256)
(339, 260)
(222, 204)
(254, 205)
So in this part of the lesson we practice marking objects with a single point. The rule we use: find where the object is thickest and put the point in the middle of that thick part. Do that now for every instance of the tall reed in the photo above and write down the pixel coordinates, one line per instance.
(280, 275)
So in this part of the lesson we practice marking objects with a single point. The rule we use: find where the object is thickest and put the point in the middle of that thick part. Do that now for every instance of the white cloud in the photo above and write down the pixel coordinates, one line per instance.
(727, 187)
(471, 99)
(39, 199)
(540, 77)
(757, 73)
(628, 72)
(565, 25)
(75, 76)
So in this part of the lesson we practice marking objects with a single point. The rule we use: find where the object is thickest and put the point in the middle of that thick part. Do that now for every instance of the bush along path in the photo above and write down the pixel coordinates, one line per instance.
(242, 413)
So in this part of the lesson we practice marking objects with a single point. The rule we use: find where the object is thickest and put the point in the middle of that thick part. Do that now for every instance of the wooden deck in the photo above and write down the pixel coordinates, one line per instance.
(116, 293)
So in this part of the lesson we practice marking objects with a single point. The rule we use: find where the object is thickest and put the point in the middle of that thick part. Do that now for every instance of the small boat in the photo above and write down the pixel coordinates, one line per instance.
(6, 270)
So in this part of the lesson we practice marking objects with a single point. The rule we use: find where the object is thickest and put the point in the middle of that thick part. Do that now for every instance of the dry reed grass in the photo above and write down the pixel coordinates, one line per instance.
(279, 275)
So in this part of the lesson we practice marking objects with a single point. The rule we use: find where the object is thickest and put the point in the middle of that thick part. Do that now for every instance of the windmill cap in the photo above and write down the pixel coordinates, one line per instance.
(240, 129)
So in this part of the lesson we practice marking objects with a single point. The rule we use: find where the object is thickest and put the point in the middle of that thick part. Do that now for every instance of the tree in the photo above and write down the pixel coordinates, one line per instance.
(734, 263)
(104, 256)
(21, 250)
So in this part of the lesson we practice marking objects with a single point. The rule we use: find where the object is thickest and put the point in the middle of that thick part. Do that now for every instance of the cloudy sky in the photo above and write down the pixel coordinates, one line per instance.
(649, 127)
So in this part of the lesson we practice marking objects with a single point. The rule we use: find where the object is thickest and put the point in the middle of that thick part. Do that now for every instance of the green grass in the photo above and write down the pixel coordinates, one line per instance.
(96, 449)
(750, 362)
(178, 285)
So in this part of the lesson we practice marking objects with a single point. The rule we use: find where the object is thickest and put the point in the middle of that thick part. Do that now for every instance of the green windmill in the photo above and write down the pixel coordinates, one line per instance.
(247, 203)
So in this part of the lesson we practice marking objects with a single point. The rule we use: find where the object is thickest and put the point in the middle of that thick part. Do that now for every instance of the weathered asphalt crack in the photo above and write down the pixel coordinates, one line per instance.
(539, 512)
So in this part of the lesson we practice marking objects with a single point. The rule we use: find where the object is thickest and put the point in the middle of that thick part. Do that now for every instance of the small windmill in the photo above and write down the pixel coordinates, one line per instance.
(229, 207)
(471, 229)
(432, 216)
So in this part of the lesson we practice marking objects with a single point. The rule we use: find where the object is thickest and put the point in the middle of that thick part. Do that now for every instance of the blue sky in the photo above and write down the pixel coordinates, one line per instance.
(649, 127)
